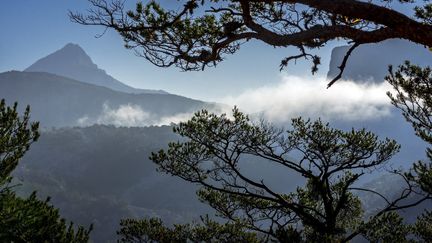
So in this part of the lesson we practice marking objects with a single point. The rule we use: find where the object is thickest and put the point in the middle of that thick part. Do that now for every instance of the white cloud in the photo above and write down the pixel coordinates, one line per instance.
(130, 115)
(295, 96)
(177, 118)
(291, 97)
(125, 115)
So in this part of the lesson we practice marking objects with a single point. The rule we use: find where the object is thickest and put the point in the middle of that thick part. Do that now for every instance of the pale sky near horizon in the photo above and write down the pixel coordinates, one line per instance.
(34, 29)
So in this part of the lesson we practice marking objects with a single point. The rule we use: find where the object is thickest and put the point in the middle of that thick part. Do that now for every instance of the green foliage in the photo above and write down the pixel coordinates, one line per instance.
(413, 96)
(423, 227)
(388, 227)
(16, 135)
(33, 220)
(424, 13)
(325, 209)
(26, 219)
(422, 175)
(330, 160)
(153, 230)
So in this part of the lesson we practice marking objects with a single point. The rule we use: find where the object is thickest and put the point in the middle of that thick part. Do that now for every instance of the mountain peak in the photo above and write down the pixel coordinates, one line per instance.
(72, 61)
(70, 55)
(72, 47)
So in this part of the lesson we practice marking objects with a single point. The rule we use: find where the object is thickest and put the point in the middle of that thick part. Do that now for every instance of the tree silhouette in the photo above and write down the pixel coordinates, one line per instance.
(26, 219)
(413, 96)
(202, 33)
(325, 209)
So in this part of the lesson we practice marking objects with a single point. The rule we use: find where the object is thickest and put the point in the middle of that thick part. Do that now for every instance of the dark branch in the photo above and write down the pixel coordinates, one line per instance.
(343, 65)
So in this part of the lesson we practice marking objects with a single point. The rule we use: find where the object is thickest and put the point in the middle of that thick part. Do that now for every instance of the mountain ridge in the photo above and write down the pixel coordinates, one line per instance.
(73, 62)
(58, 101)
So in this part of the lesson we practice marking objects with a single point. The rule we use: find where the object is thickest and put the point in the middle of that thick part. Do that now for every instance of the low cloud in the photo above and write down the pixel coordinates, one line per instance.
(177, 118)
(277, 103)
(130, 115)
(125, 115)
(295, 96)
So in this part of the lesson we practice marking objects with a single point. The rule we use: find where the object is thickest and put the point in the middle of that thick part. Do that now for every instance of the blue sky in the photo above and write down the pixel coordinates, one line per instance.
(33, 29)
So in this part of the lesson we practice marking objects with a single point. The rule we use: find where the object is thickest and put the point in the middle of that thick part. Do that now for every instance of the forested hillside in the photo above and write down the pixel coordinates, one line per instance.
(101, 174)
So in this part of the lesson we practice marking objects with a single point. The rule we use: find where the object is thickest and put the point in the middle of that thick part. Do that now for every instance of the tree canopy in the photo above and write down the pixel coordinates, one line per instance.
(325, 209)
(202, 33)
(413, 96)
(26, 219)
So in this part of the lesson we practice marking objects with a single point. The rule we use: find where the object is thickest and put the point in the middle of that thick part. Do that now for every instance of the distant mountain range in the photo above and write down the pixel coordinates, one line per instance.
(71, 61)
(369, 63)
(67, 89)
(59, 101)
